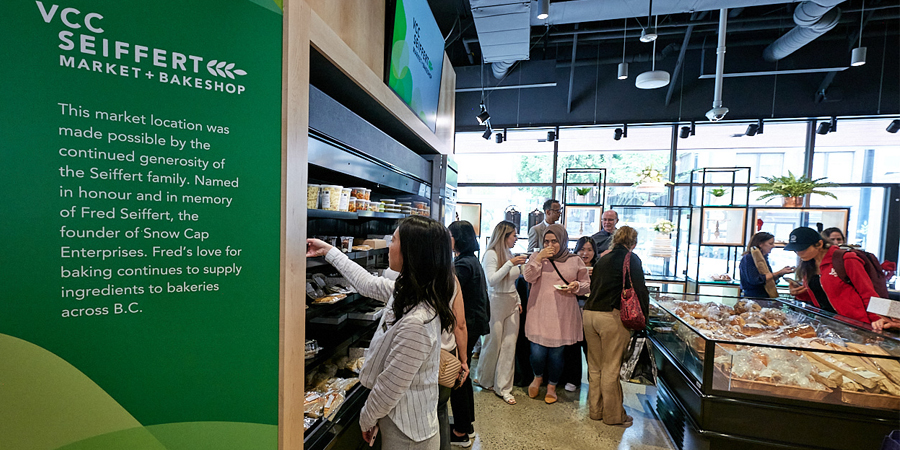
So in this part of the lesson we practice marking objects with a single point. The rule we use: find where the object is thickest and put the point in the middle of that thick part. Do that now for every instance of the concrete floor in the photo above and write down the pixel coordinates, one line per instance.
(533, 424)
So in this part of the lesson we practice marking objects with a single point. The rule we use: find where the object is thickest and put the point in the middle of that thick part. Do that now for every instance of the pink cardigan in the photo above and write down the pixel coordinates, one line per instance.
(554, 318)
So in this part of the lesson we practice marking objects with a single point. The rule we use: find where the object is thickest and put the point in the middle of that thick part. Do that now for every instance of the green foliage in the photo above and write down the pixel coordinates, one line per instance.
(718, 192)
(583, 190)
(791, 186)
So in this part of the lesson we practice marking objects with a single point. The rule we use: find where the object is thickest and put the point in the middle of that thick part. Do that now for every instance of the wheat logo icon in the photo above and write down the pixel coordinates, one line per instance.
(223, 69)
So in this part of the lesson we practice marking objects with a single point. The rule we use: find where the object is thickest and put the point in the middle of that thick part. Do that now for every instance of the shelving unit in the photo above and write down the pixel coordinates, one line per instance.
(718, 228)
(781, 221)
(668, 273)
(581, 215)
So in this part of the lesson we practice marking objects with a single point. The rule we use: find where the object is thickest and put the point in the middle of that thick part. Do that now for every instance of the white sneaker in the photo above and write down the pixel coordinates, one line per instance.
(570, 387)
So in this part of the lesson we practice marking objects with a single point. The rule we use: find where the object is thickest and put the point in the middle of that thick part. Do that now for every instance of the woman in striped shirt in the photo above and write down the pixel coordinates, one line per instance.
(401, 366)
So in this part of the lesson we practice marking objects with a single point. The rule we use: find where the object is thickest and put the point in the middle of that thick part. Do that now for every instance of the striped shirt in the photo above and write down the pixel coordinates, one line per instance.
(401, 366)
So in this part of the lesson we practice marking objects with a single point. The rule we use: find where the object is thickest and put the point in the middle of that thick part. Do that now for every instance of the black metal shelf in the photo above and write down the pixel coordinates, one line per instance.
(324, 432)
(336, 339)
(320, 260)
(325, 214)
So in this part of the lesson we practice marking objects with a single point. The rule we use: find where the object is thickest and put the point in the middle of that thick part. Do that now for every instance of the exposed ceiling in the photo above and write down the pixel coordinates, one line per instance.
(764, 37)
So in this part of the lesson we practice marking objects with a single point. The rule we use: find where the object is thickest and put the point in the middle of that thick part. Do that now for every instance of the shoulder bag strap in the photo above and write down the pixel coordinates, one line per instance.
(626, 271)
(558, 273)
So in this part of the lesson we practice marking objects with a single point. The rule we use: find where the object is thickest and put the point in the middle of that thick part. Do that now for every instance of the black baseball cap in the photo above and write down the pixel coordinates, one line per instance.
(802, 238)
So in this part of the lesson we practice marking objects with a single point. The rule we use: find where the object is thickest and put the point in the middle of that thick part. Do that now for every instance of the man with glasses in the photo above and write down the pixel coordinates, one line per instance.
(552, 213)
(603, 238)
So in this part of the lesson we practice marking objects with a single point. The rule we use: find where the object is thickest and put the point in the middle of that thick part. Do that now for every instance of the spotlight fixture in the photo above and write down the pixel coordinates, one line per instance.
(487, 133)
(894, 126)
(858, 55)
(752, 129)
(483, 116)
(688, 130)
(619, 133)
(543, 9)
(499, 138)
(623, 66)
(827, 127)
(551, 136)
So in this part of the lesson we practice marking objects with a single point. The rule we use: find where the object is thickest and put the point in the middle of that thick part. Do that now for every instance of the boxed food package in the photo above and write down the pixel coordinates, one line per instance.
(884, 306)
(375, 243)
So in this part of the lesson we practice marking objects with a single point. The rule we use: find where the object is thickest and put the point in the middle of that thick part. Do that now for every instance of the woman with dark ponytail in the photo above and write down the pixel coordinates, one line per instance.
(402, 362)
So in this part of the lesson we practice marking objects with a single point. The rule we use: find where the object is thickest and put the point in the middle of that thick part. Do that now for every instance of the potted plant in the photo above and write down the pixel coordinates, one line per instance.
(651, 180)
(583, 195)
(792, 189)
(717, 194)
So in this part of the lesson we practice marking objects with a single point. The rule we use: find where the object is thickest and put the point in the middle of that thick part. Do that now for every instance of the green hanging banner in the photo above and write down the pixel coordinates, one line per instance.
(140, 178)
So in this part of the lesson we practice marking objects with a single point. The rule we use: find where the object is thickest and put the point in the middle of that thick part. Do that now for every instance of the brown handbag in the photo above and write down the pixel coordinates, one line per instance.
(448, 373)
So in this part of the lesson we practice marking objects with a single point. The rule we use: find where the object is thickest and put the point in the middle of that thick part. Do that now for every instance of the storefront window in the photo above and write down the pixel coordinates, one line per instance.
(781, 148)
(519, 159)
(592, 147)
(495, 201)
(860, 151)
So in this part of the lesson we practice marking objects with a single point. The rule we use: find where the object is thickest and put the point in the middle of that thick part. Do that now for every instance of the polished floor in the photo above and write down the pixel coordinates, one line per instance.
(533, 424)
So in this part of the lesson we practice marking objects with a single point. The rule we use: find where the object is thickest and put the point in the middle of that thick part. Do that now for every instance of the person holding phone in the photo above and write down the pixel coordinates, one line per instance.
(757, 278)
(554, 318)
(821, 282)
(496, 366)
(402, 362)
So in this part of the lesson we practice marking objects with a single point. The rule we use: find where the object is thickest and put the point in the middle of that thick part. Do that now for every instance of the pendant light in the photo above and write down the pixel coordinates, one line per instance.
(623, 66)
(654, 79)
(858, 56)
(647, 36)
(543, 9)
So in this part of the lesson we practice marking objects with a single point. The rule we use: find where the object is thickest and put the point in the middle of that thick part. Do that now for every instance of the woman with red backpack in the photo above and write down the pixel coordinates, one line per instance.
(824, 287)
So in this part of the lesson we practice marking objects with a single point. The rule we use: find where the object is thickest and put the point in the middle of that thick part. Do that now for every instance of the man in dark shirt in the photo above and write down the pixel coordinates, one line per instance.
(603, 238)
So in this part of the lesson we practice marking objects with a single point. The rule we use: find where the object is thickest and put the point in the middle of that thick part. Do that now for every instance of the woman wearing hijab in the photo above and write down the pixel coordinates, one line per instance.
(554, 319)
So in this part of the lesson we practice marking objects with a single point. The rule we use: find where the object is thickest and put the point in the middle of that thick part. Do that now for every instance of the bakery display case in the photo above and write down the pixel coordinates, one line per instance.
(729, 368)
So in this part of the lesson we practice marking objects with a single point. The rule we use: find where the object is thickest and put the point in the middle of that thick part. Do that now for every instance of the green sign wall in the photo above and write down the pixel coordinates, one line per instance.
(140, 185)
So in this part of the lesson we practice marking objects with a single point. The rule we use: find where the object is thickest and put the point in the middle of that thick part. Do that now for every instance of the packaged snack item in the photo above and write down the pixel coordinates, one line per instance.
(368, 194)
(331, 197)
(352, 205)
(346, 243)
(373, 206)
(312, 196)
(345, 199)
(358, 192)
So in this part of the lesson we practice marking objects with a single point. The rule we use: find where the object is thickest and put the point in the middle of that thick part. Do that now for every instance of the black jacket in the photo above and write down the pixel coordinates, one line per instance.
(475, 294)
(606, 282)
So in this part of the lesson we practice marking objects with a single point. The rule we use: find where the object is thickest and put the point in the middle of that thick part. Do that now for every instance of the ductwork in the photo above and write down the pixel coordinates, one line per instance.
(504, 32)
(813, 19)
(500, 68)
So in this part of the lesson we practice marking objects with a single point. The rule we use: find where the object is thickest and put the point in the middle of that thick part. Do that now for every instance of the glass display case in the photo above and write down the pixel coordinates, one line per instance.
(734, 366)
(583, 198)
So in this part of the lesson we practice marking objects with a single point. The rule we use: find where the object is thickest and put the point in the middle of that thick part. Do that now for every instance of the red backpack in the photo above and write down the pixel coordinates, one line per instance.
(871, 264)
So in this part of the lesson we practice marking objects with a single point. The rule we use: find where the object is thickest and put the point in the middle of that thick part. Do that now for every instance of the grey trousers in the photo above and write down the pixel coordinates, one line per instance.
(394, 439)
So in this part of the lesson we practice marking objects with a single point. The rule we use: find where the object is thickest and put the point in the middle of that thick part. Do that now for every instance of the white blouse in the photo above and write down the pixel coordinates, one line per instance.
(401, 366)
(500, 279)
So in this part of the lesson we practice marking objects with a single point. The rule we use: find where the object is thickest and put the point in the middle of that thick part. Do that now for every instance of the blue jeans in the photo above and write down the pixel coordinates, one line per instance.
(543, 356)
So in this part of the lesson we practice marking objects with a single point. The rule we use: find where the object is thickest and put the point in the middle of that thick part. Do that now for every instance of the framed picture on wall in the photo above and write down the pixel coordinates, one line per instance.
(470, 212)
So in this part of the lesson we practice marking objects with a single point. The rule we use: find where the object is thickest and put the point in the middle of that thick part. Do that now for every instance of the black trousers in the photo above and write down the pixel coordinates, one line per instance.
(573, 368)
(462, 399)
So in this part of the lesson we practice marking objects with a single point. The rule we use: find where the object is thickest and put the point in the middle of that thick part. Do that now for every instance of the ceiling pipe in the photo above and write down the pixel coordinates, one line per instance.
(813, 19)
(718, 112)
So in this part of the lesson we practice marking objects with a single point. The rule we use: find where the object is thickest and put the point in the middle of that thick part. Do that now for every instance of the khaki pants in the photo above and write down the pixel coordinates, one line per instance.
(606, 339)
(394, 439)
